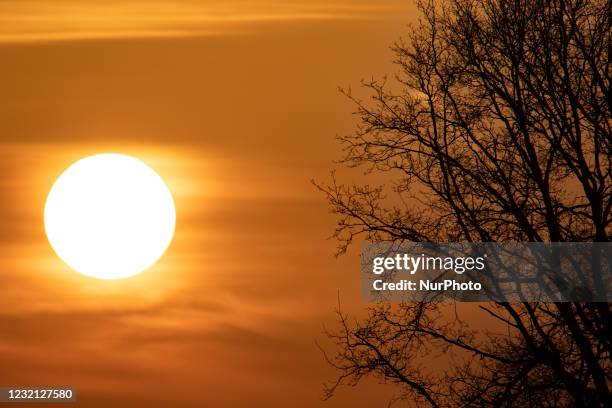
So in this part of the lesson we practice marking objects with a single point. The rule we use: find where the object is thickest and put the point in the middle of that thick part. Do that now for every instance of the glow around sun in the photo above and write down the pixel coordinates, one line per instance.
(109, 216)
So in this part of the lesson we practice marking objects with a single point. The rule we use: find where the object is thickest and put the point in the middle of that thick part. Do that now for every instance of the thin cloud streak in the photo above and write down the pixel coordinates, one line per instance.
(68, 20)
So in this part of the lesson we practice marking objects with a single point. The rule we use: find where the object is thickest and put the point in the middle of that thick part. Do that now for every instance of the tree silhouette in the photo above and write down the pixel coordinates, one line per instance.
(500, 131)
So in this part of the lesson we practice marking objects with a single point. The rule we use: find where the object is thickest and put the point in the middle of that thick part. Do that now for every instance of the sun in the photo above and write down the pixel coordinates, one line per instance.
(109, 216)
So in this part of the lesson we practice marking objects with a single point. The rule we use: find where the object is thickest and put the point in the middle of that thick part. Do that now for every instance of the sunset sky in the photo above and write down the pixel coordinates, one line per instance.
(235, 105)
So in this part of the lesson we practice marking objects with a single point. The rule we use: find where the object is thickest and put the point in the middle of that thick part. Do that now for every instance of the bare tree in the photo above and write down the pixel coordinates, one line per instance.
(500, 131)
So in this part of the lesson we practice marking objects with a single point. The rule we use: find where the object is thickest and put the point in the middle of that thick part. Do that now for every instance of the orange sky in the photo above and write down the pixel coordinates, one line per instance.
(235, 104)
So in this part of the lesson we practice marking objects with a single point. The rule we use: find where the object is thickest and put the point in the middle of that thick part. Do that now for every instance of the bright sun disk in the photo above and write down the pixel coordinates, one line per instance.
(109, 216)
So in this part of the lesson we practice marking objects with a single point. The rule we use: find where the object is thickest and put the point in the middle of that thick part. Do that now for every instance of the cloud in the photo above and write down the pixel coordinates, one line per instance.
(65, 20)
